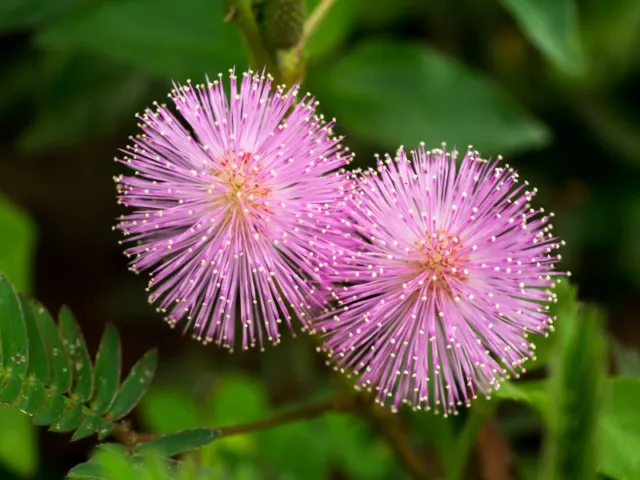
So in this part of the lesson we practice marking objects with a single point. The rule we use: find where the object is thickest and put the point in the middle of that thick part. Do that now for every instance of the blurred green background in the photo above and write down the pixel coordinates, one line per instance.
(552, 85)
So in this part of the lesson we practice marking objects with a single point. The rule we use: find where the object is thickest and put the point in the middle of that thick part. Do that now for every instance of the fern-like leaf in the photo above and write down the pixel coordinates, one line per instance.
(46, 370)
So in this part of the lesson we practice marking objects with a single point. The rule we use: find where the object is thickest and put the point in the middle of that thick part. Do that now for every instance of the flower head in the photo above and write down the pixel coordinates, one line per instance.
(452, 273)
(234, 207)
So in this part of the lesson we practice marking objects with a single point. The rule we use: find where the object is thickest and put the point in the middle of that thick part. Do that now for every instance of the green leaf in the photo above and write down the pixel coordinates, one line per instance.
(105, 427)
(154, 35)
(41, 386)
(60, 371)
(39, 368)
(113, 462)
(10, 387)
(52, 409)
(91, 424)
(533, 392)
(393, 94)
(334, 28)
(135, 385)
(620, 431)
(576, 386)
(115, 465)
(107, 370)
(70, 420)
(17, 244)
(87, 471)
(543, 346)
(18, 443)
(176, 443)
(77, 353)
(13, 331)
(552, 26)
(32, 397)
(92, 469)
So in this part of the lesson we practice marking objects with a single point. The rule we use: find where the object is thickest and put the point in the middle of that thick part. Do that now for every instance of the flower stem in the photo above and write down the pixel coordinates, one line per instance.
(389, 426)
(312, 23)
(335, 404)
(494, 454)
(296, 66)
(125, 435)
(481, 411)
(241, 14)
(386, 422)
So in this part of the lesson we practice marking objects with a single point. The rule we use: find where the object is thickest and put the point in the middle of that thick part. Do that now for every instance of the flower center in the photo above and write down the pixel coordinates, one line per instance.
(441, 258)
(244, 177)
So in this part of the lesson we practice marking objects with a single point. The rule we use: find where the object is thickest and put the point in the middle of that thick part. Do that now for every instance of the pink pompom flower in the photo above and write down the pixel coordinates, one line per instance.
(453, 271)
(235, 203)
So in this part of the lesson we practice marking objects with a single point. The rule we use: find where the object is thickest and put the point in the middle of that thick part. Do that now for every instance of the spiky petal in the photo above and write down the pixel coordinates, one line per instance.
(234, 205)
(452, 273)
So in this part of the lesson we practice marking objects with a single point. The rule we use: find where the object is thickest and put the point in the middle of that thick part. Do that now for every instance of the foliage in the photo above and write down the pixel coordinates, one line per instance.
(334, 439)
(17, 242)
(549, 82)
(177, 42)
(18, 443)
(394, 92)
(577, 385)
(592, 424)
(47, 372)
(552, 26)
(114, 462)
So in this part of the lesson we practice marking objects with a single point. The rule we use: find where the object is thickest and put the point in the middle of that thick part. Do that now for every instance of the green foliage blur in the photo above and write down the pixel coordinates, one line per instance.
(552, 85)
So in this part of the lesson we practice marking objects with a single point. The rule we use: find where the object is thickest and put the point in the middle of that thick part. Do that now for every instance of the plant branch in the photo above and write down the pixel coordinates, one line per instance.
(389, 426)
(480, 412)
(386, 422)
(310, 26)
(494, 453)
(125, 435)
(241, 14)
(335, 404)
(313, 21)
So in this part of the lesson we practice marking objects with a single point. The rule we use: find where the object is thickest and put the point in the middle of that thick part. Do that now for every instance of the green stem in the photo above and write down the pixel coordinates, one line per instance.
(125, 435)
(242, 15)
(336, 404)
(389, 426)
(391, 429)
(312, 23)
(316, 17)
(481, 411)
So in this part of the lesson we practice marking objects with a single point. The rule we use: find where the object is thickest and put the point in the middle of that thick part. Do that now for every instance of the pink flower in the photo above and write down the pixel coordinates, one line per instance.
(452, 273)
(235, 207)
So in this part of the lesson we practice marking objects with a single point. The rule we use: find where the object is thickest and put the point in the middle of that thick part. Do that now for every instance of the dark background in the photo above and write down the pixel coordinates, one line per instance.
(73, 73)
